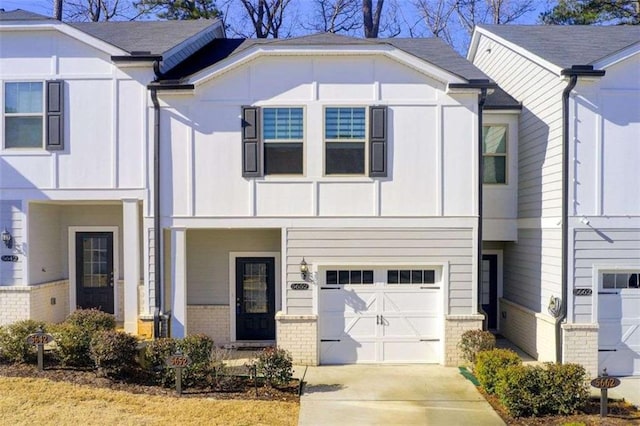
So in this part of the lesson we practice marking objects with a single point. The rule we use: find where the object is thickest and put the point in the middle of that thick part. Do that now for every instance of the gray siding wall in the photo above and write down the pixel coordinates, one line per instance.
(11, 217)
(382, 246)
(615, 247)
(208, 260)
(539, 150)
(532, 268)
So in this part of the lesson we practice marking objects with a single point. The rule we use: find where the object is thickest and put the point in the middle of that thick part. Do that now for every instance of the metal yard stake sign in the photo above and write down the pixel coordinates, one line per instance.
(178, 361)
(39, 339)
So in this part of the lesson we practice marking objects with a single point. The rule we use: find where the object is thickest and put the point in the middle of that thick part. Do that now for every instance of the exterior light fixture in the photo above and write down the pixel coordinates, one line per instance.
(7, 238)
(304, 269)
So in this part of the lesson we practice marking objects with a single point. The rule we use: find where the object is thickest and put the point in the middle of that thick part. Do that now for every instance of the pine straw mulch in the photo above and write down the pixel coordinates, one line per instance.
(620, 413)
(237, 387)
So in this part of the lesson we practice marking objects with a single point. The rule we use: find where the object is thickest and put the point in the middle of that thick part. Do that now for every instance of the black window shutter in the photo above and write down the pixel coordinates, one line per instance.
(378, 141)
(251, 146)
(55, 115)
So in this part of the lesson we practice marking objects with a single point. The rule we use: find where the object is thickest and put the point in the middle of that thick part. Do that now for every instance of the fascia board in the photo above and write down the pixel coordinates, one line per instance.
(473, 45)
(617, 57)
(520, 50)
(71, 32)
(254, 52)
(177, 48)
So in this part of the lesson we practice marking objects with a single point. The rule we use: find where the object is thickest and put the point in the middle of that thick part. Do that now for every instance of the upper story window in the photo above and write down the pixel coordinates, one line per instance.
(621, 280)
(494, 154)
(345, 140)
(33, 114)
(282, 133)
(23, 115)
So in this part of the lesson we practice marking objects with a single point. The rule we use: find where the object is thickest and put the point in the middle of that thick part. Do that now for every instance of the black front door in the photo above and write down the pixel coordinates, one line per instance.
(489, 289)
(255, 298)
(94, 270)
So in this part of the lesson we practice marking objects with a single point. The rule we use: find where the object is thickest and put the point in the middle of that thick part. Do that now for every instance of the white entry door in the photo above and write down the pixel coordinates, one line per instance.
(619, 324)
(380, 315)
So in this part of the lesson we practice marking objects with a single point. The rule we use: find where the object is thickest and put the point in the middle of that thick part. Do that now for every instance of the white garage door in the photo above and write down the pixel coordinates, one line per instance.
(619, 321)
(381, 315)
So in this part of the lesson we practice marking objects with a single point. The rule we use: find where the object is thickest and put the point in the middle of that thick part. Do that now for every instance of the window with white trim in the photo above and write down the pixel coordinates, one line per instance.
(620, 280)
(23, 115)
(345, 140)
(494, 154)
(283, 137)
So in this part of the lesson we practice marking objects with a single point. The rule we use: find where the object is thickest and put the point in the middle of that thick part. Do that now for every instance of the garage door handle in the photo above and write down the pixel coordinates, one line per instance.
(607, 350)
(329, 340)
(429, 288)
(429, 340)
(377, 319)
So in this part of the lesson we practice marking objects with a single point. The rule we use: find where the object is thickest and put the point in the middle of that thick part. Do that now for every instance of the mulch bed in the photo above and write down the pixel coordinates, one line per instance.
(138, 383)
(620, 413)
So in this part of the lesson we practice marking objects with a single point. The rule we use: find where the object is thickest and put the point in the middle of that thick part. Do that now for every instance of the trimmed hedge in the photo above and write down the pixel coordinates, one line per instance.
(489, 364)
(113, 352)
(198, 348)
(276, 366)
(538, 391)
(92, 320)
(13, 345)
(473, 342)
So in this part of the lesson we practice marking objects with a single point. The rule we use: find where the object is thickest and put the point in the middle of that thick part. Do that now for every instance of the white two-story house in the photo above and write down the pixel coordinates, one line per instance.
(321, 193)
(76, 163)
(571, 280)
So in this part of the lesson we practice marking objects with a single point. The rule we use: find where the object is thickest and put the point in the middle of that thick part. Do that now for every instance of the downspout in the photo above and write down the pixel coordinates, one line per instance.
(573, 73)
(481, 100)
(157, 232)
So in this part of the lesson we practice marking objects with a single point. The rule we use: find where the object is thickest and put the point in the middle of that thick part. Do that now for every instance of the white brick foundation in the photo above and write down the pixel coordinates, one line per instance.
(212, 320)
(580, 346)
(299, 335)
(455, 326)
(531, 331)
(35, 302)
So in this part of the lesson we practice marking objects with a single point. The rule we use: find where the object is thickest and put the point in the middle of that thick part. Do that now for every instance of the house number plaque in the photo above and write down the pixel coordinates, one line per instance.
(300, 286)
(582, 292)
(10, 258)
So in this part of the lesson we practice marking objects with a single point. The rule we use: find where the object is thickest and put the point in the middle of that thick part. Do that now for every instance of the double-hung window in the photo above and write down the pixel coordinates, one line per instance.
(33, 114)
(282, 134)
(23, 115)
(345, 140)
(494, 154)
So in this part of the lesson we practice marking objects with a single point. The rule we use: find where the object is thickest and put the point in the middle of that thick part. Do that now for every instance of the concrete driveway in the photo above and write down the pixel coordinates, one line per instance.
(391, 395)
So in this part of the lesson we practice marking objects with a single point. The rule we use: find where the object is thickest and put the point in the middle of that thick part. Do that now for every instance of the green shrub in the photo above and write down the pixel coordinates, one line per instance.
(156, 354)
(73, 336)
(92, 320)
(474, 341)
(276, 366)
(489, 364)
(519, 389)
(113, 352)
(538, 391)
(13, 345)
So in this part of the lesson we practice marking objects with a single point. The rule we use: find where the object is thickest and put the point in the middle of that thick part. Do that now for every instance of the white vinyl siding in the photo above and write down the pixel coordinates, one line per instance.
(11, 273)
(540, 146)
(360, 247)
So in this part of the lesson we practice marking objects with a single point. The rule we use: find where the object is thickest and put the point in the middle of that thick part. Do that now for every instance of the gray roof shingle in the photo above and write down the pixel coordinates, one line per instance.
(567, 45)
(21, 15)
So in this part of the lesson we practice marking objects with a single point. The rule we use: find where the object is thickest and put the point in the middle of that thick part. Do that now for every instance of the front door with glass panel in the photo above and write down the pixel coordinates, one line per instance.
(94, 270)
(255, 298)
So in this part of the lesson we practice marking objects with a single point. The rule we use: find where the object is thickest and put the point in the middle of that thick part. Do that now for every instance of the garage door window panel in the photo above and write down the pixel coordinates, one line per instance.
(411, 276)
(349, 277)
(620, 280)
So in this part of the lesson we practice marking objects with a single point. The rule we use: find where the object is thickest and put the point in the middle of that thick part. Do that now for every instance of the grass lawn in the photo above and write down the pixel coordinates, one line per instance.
(41, 401)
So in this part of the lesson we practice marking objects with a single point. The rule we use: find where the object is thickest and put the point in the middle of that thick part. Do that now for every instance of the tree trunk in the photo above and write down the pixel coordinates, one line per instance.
(57, 9)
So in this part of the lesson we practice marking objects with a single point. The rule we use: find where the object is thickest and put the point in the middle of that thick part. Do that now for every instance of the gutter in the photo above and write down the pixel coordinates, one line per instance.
(157, 235)
(573, 73)
(481, 100)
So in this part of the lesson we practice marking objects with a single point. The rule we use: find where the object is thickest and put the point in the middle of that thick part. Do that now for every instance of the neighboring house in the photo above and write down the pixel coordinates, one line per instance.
(578, 246)
(355, 159)
(321, 193)
(75, 195)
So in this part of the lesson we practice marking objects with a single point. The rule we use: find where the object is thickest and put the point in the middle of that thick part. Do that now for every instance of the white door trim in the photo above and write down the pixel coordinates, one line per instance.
(72, 263)
(233, 255)
(499, 254)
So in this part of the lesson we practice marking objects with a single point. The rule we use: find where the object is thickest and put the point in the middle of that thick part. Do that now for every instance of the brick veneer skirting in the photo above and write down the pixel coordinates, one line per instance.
(580, 346)
(299, 335)
(455, 325)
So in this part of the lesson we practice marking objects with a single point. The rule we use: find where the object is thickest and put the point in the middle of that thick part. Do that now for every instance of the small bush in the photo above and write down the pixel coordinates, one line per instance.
(72, 345)
(156, 354)
(276, 366)
(538, 391)
(489, 364)
(113, 352)
(198, 348)
(92, 320)
(474, 341)
(13, 345)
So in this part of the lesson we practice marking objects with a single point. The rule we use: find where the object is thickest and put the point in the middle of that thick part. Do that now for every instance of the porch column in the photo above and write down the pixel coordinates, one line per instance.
(131, 255)
(179, 282)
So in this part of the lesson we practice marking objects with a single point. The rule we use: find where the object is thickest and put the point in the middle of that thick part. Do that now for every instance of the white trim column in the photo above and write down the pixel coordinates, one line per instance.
(179, 282)
(131, 263)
